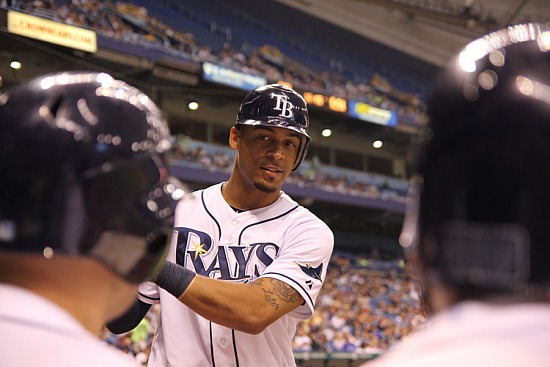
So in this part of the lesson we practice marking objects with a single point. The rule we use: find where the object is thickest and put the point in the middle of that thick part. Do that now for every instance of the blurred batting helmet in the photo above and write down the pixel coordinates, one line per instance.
(276, 105)
(479, 208)
(82, 161)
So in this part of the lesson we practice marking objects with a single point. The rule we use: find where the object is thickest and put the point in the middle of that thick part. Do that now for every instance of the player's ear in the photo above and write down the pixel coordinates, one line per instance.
(234, 137)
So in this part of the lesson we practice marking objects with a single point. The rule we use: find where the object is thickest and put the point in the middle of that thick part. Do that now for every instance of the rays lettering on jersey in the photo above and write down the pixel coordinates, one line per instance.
(195, 251)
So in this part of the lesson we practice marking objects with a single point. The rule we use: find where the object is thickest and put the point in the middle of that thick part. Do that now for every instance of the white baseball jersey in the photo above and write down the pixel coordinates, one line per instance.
(477, 334)
(284, 241)
(36, 332)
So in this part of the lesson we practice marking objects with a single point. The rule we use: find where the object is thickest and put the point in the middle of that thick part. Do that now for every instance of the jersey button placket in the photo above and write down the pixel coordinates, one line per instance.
(231, 235)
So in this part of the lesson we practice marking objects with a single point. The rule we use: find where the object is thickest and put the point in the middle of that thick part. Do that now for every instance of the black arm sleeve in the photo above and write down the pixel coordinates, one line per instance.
(130, 319)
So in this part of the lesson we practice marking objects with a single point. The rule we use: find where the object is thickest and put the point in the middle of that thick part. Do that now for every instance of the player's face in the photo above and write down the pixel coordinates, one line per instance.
(266, 155)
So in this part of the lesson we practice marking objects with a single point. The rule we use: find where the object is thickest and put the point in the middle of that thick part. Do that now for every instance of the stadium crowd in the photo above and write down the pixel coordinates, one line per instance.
(365, 306)
(129, 23)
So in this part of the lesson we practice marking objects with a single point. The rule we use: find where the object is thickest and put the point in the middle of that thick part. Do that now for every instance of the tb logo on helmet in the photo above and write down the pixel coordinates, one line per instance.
(283, 105)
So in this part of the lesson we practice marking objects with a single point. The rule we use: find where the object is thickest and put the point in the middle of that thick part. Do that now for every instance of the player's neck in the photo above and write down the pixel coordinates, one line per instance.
(243, 199)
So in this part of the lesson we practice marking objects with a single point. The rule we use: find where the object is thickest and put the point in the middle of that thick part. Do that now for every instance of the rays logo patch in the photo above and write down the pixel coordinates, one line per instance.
(312, 272)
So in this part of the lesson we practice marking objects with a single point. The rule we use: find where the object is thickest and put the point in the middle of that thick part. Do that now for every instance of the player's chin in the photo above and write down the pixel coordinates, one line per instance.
(266, 187)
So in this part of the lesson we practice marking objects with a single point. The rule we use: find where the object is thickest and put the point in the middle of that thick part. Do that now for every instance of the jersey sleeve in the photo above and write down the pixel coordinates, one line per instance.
(148, 292)
(302, 262)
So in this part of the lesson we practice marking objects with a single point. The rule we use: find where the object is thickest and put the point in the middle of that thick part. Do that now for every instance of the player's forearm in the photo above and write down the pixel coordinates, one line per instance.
(234, 305)
(226, 303)
(248, 308)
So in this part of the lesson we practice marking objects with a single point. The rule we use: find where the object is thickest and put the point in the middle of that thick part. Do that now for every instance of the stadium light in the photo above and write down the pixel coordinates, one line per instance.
(15, 64)
(326, 133)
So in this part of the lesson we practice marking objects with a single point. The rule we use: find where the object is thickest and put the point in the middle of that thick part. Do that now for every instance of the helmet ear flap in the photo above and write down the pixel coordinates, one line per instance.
(302, 152)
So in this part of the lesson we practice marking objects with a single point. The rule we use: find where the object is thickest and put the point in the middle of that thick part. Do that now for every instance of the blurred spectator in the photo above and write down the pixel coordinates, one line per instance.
(141, 334)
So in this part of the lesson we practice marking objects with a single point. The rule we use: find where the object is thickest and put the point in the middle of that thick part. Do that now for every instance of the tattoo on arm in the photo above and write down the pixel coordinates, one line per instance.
(281, 292)
(285, 292)
(270, 299)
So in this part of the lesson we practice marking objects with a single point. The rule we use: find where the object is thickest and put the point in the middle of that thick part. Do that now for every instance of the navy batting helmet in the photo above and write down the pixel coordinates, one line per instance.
(82, 160)
(480, 201)
(278, 106)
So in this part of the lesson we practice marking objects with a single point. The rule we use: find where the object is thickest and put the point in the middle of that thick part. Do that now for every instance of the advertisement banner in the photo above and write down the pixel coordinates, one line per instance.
(366, 112)
(231, 78)
(52, 32)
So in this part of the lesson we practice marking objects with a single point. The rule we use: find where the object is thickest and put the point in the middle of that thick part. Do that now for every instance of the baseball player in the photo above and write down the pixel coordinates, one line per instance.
(85, 214)
(476, 231)
(246, 262)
